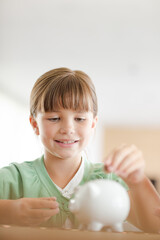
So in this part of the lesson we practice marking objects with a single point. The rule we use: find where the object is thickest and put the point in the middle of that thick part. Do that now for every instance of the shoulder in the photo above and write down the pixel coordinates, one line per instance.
(15, 172)
(15, 177)
(17, 168)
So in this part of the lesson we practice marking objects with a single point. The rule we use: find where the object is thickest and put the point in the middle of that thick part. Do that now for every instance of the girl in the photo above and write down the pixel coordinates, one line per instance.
(63, 113)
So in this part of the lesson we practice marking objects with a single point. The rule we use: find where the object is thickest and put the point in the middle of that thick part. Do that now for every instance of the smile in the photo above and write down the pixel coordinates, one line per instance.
(66, 141)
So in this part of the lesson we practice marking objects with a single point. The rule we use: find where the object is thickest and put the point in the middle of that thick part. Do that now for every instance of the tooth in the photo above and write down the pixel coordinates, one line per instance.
(67, 142)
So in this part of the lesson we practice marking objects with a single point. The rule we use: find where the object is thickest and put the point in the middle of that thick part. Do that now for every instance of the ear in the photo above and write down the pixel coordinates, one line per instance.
(94, 123)
(34, 124)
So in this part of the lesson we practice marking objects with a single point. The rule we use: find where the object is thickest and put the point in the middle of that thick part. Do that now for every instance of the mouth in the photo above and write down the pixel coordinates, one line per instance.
(66, 141)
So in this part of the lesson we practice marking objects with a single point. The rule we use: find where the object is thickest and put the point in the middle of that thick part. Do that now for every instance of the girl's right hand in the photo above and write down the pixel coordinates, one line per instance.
(33, 211)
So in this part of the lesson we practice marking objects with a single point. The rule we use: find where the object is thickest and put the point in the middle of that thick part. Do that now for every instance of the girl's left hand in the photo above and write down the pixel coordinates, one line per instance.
(127, 162)
(157, 212)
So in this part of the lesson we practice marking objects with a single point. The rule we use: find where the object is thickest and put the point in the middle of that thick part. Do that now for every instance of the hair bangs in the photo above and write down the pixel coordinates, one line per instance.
(68, 94)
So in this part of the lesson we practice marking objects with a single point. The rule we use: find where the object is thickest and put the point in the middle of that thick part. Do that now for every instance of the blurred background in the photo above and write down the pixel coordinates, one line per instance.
(116, 42)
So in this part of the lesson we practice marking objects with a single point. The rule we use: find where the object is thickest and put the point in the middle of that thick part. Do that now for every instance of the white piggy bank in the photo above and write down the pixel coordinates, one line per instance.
(101, 203)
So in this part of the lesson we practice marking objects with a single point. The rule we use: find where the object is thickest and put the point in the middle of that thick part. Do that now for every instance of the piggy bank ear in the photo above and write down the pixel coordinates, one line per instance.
(93, 190)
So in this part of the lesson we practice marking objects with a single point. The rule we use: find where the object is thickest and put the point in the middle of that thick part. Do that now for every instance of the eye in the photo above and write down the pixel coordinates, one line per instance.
(54, 119)
(80, 119)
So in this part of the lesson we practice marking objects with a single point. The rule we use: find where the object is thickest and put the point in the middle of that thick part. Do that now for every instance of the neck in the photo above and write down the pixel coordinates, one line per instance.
(61, 171)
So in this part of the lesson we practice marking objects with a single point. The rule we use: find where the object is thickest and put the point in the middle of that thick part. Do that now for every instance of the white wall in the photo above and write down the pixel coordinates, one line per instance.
(115, 42)
(18, 142)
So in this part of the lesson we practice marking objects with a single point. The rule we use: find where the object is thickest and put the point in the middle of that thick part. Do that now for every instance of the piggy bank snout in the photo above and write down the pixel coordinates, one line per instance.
(73, 206)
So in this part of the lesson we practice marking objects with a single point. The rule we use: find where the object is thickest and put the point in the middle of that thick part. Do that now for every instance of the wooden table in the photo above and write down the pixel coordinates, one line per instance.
(28, 233)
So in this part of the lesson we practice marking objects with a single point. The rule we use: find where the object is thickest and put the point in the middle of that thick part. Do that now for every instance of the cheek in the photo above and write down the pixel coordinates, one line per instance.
(45, 131)
(46, 136)
(86, 131)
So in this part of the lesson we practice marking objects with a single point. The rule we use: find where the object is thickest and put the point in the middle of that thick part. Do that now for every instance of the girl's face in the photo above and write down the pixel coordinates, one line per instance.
(64, 133)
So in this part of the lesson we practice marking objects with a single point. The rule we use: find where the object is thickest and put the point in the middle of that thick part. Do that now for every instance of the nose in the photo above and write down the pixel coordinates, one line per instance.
(67, 128)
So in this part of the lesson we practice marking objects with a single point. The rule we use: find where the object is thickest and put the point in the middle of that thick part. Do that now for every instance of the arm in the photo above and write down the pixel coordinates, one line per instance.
(144, 201)
(27, 211)
(128, 163)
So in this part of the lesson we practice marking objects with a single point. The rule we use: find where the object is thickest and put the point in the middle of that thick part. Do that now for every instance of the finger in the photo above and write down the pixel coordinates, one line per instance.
(136, 168)
(107, 162)
(119, 155)
(108, 159)
(37, 216)
(48, 198)
(43, 213)
(130, 159)
(43, 203)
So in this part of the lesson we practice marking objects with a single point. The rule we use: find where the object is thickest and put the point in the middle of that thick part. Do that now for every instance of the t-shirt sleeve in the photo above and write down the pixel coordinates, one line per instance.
(10, 183)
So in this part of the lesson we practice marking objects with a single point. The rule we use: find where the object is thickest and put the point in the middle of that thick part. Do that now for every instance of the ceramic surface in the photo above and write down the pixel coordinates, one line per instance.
(101, 203)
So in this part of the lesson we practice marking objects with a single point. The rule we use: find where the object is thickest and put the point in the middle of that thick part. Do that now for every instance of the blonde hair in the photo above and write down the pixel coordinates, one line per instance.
(63, 88)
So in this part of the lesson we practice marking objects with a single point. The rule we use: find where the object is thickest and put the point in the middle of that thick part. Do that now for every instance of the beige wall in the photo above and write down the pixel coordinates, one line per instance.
(147, 139)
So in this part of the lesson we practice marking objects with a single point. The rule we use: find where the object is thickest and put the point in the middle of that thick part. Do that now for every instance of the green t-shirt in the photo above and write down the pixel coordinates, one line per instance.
(30, 179)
